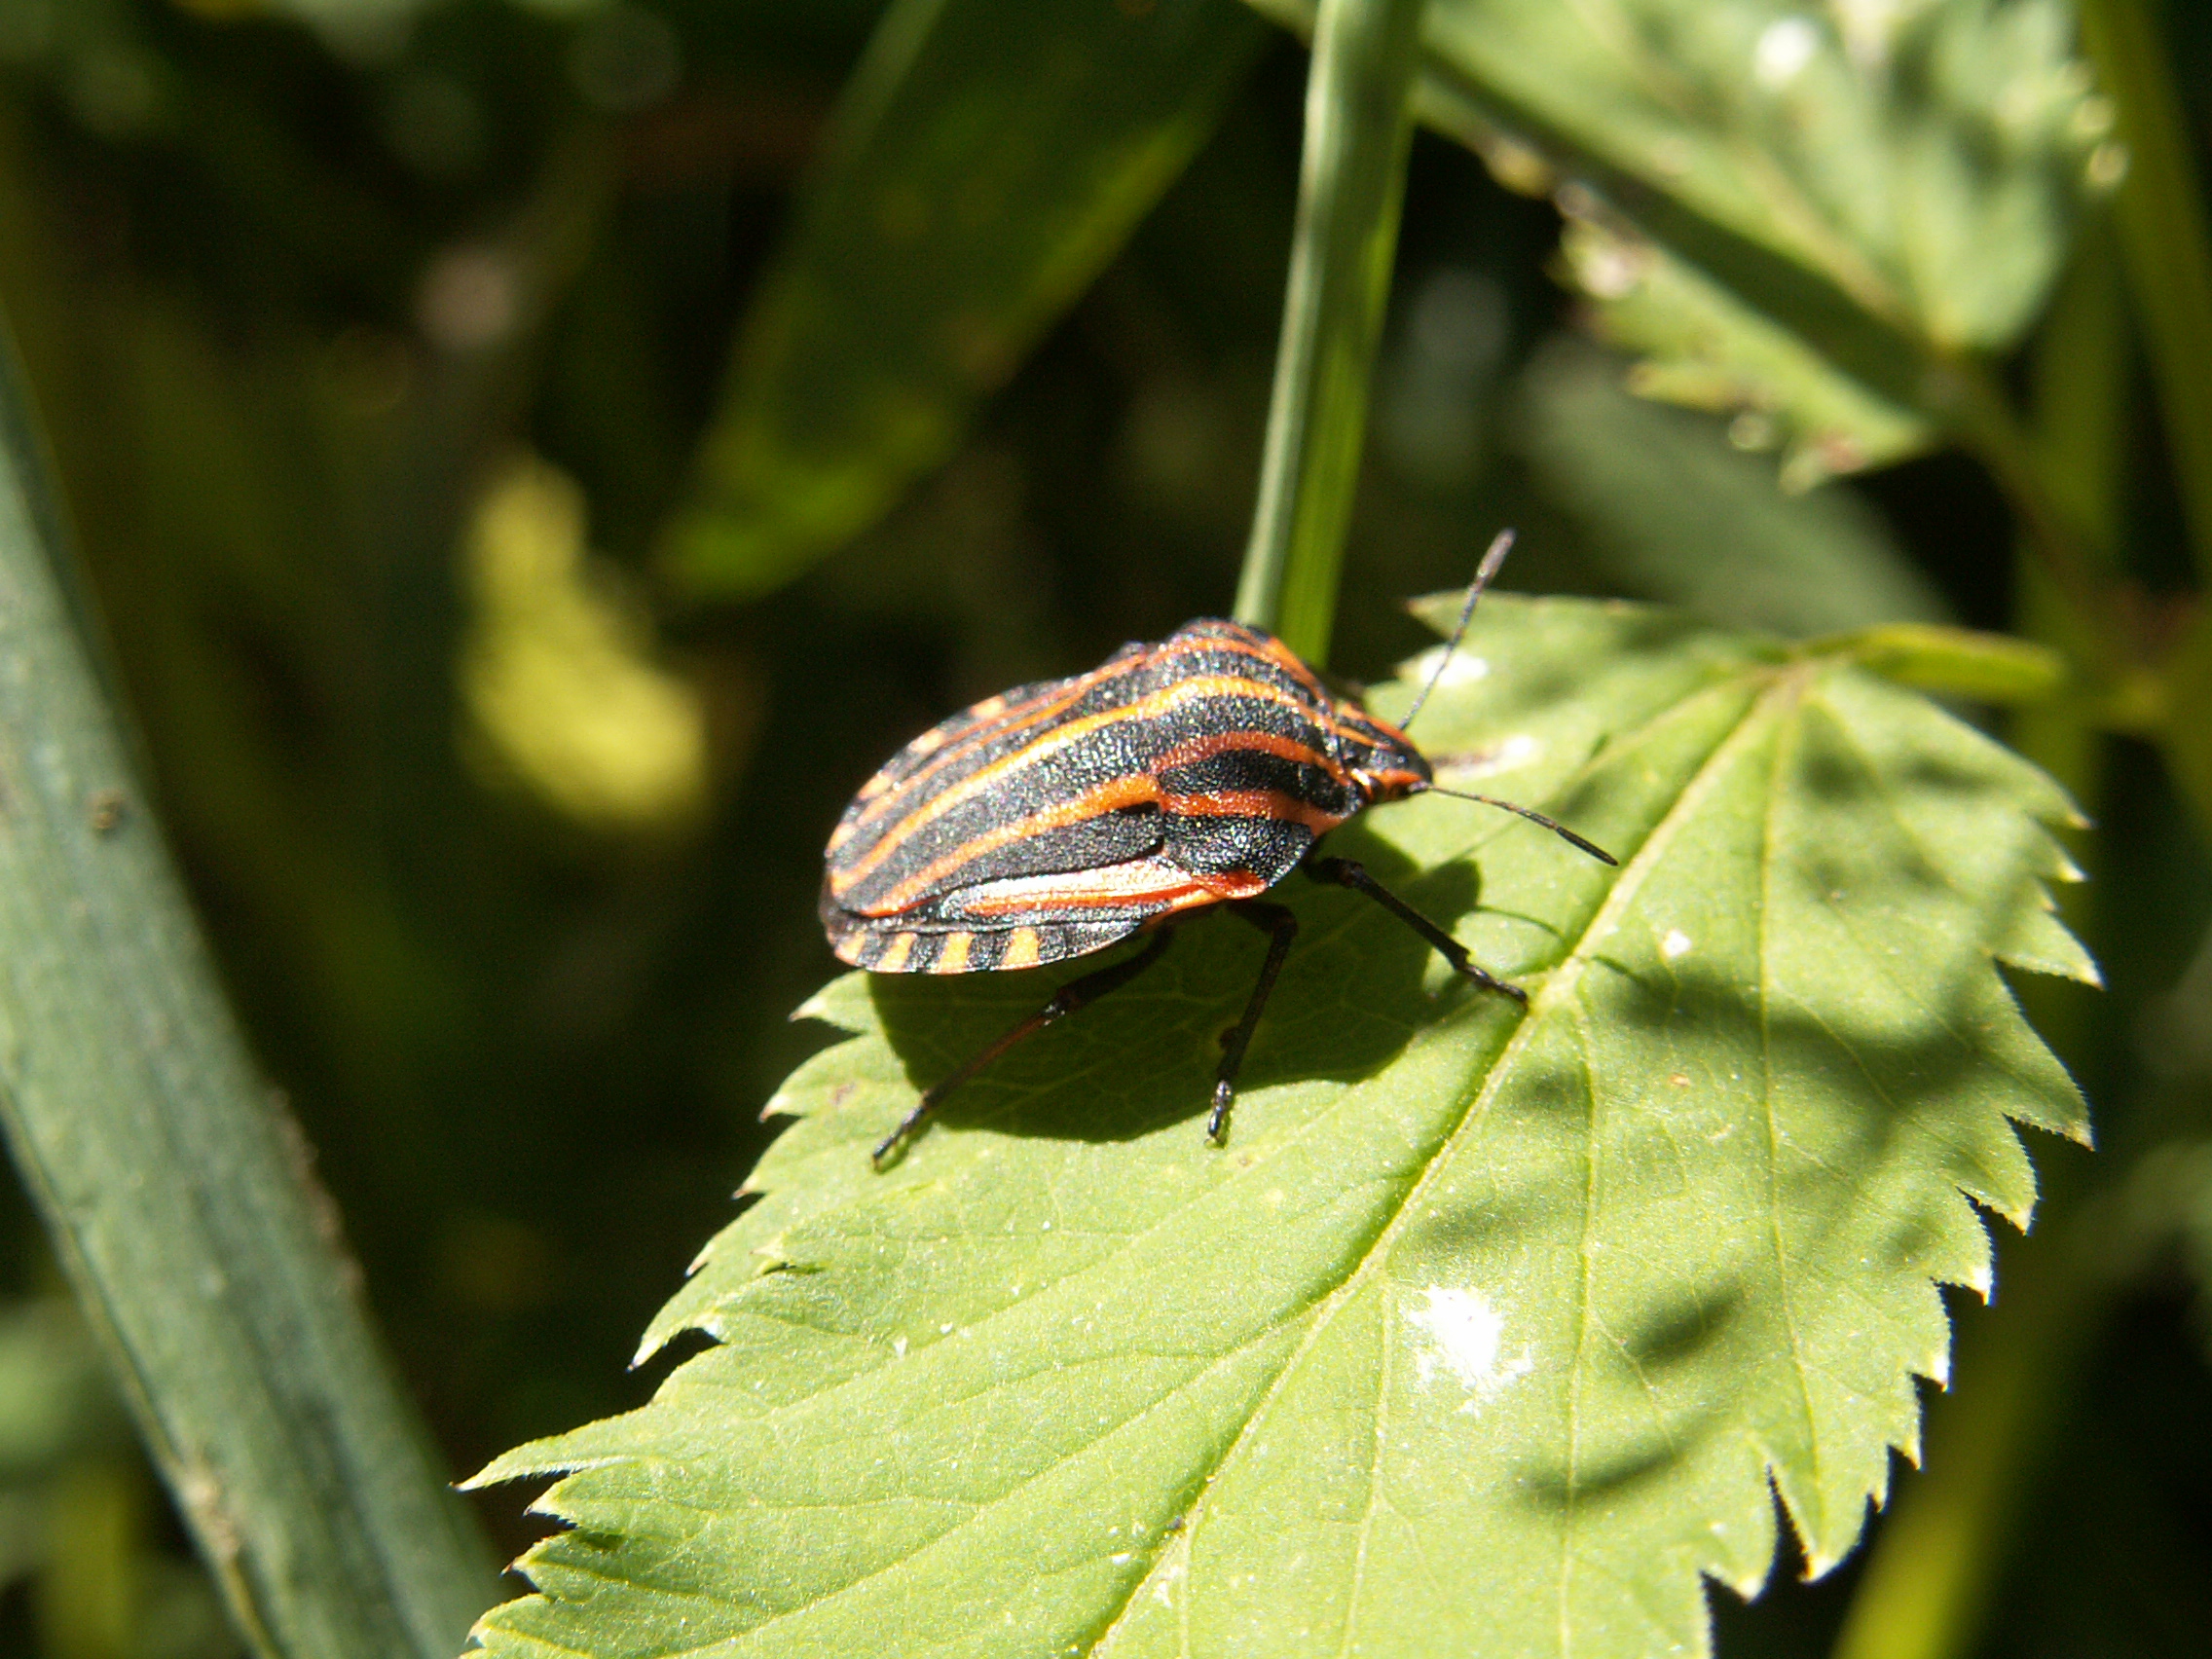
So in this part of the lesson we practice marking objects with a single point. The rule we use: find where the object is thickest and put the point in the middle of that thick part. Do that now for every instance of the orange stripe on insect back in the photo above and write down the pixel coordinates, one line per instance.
(1132, 789)
(953, 749)
(953, 958)
(1206, 748)
(1266, 648)
(1394, 733)
(1366, 725)
(1197, 688)
(1023, 948)
(1283, 657)
(894, 955)
(1254, 803)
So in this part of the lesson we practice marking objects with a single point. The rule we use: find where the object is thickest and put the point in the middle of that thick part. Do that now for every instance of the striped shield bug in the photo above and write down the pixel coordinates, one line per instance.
(1059, 819)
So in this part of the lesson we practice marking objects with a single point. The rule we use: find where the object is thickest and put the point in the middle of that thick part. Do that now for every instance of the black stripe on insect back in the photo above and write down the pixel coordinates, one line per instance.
(979, 737)
(1063, 817)
(977, 734)
(1243, 763)
(1106, 838)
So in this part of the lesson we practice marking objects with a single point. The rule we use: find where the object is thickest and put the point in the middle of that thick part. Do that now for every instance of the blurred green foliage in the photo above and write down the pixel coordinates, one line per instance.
(309, 291)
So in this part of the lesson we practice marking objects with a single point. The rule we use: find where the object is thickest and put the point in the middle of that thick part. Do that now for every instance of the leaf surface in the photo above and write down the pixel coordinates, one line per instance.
(1921, 164)
(1699, 346)
(1488, 1329)
(1803, 213)
(1923, 158)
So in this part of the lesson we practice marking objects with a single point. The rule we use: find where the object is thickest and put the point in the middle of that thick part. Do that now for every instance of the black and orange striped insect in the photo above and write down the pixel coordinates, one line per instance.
(1063, 817)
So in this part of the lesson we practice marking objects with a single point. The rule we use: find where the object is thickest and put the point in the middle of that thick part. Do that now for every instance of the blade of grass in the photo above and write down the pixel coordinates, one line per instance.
(1358, 124)
(177, 1195)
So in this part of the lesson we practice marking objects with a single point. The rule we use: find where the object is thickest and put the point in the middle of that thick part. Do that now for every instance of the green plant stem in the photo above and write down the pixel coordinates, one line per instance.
(2164, 244)
(1358, 124)
(2099, 636)
(177, 1193)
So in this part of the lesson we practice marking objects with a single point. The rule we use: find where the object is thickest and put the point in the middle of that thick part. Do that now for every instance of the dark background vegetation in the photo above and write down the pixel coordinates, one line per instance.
(292, 301)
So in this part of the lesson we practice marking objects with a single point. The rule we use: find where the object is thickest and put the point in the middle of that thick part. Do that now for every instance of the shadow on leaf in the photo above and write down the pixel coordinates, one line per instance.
(1350, 996)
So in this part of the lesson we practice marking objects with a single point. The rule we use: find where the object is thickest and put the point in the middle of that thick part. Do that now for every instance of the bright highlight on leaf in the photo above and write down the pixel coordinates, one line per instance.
(1490, 1333)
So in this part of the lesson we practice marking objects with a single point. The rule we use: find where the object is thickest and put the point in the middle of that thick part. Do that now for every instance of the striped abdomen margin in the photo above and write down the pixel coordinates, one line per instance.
(1059, 818)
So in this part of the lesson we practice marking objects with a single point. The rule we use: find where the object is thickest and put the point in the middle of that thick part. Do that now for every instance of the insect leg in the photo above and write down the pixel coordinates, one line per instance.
(1345, 874)
(1075, 995)
(1280, 927)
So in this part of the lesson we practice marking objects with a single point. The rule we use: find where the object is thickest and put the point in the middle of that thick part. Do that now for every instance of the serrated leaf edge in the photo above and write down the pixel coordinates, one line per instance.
(1789, 681)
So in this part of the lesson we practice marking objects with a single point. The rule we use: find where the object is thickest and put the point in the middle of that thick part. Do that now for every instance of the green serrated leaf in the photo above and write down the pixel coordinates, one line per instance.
(1807, 214)
(988, 158)
(1488, 1330)
(1925, 159)
(1701, 347)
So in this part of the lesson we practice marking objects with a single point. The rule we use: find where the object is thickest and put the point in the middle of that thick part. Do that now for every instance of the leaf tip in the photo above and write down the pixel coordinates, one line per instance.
(1937, 1370)
(1819, 1563)
(842, 1003)
(533, 1461)
(1981, 1280)
(1819, 1559)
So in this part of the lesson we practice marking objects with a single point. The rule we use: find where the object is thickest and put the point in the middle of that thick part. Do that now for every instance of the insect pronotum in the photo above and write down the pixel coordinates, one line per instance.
(1059, 819)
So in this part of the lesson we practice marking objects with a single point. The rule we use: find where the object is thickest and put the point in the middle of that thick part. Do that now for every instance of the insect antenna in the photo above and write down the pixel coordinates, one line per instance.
(1499, 547)
(1552, 824)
